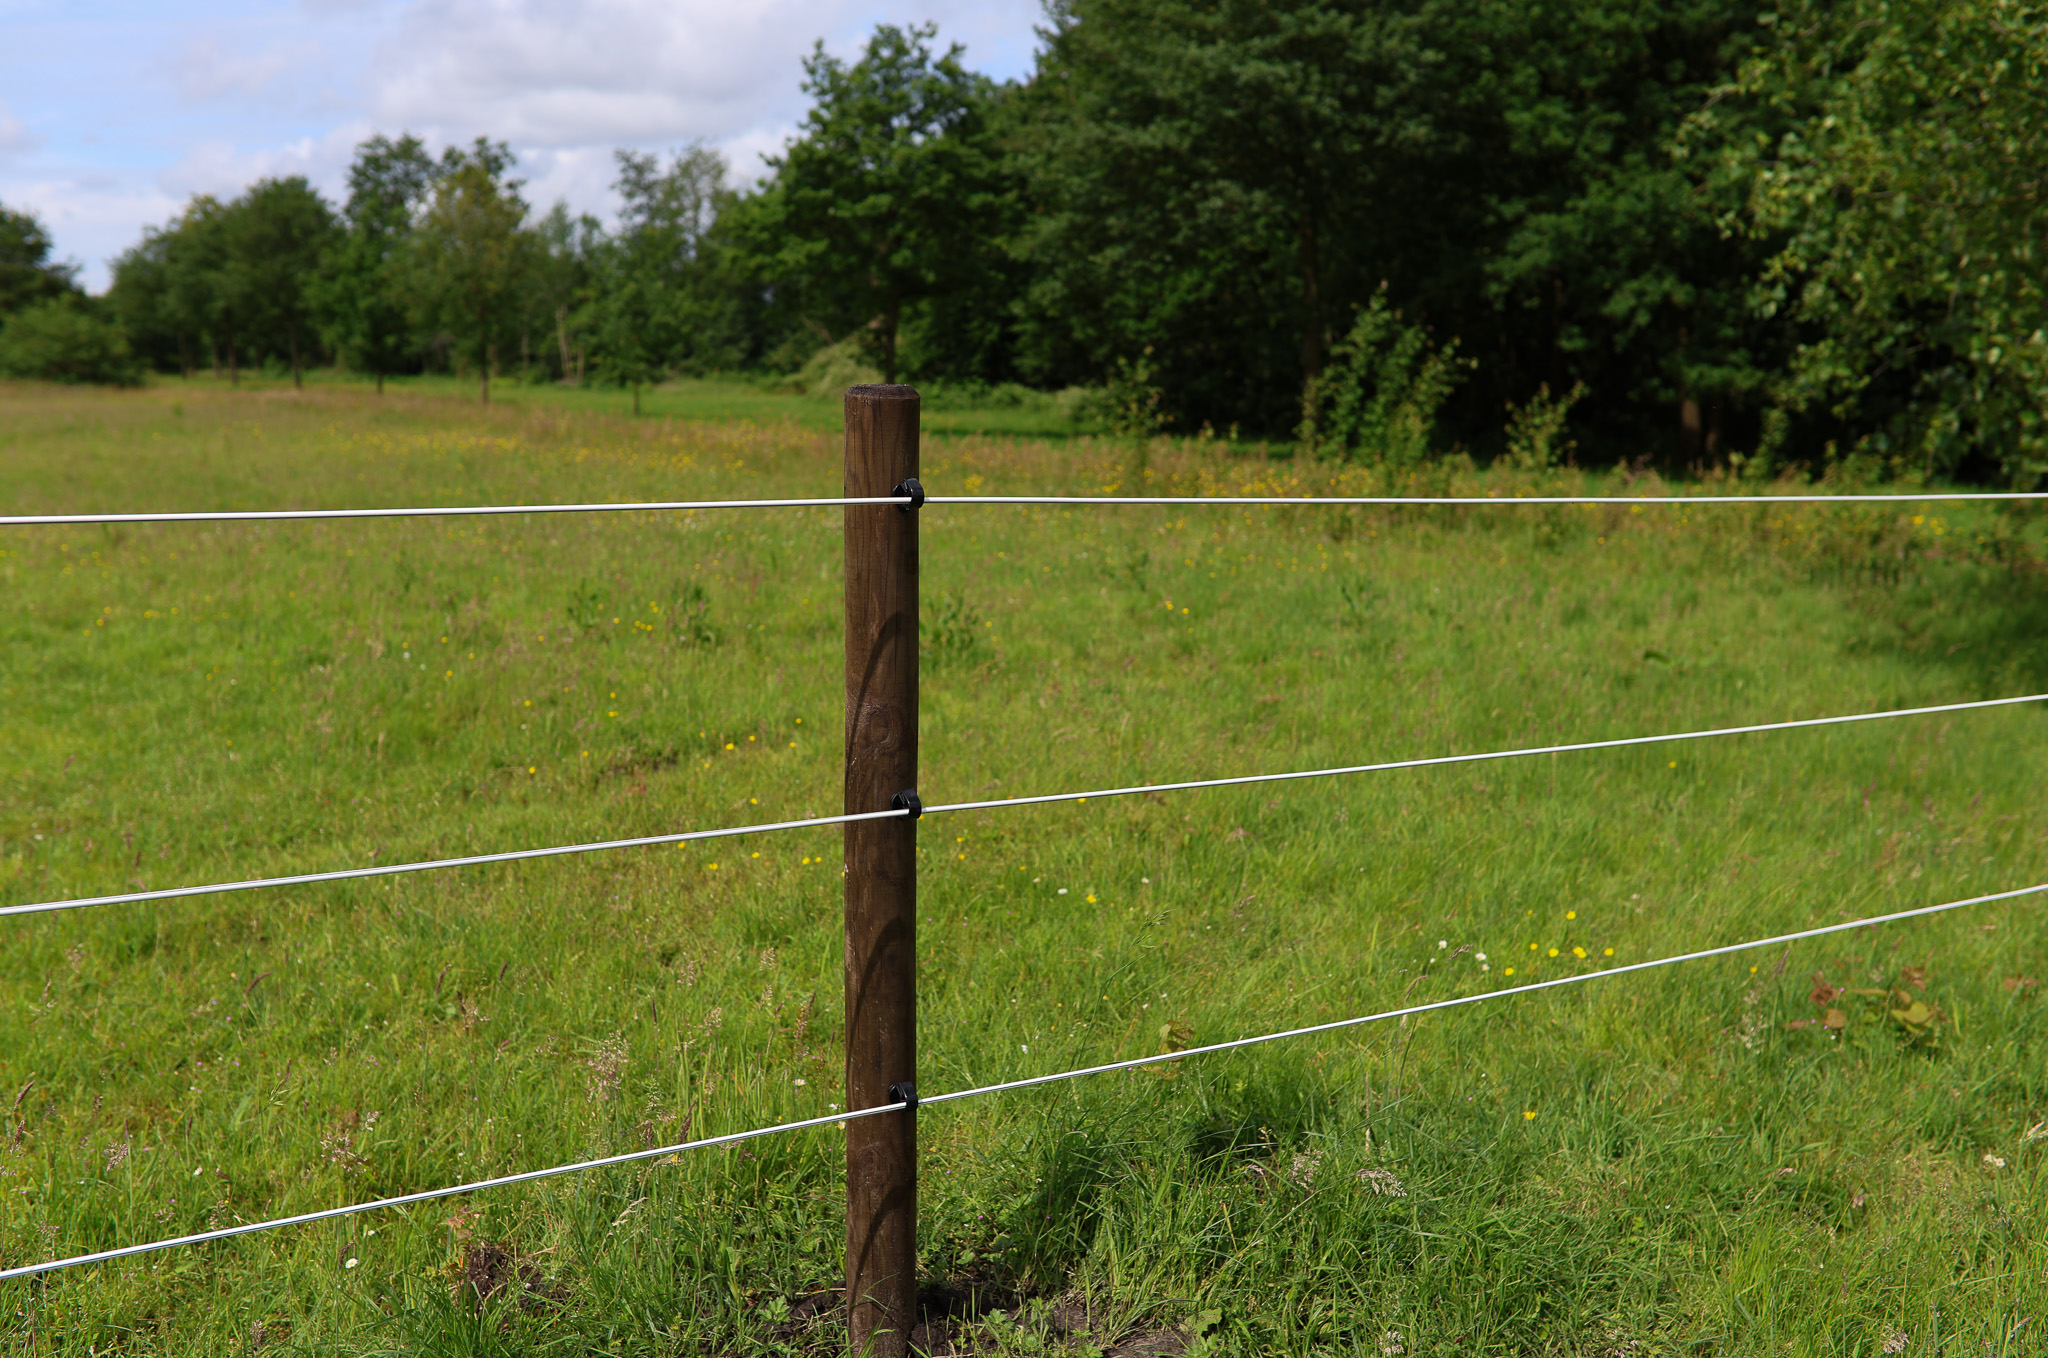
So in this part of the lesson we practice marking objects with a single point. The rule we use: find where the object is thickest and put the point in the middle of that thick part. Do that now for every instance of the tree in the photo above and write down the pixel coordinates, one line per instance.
(891, 182)
(470, 251)
(62, 339)
(27, 274)
(1601, 255)
(202, 287)
(555, 301)
(654, 301)
(362, 295)
(279, 232)
(1214, 183)
(140, 300)
(1226, 183)
(1904, 188)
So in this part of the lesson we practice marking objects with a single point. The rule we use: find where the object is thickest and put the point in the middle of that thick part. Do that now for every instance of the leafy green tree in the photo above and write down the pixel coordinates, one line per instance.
(892, 183)
(172, 293)
(62, 339)
(203, 288)
(140, 300)
(167, 288)
(27, 273)
(1578, 240)
(471, 250)
(655, 302)
(279, 233)
(1215, 182)
(362, 296)
(1907, 195)
(1225, 183)
(555, 303)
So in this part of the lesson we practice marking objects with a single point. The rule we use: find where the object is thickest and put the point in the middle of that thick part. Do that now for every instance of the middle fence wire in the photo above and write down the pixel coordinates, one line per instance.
(687, 836)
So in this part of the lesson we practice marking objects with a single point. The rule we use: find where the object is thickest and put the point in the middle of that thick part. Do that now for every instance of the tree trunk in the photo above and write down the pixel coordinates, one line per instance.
(1688, 410)
(562, 340)
(1311, 303)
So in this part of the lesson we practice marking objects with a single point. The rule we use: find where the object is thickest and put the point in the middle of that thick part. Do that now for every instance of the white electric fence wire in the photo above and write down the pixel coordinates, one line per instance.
(825, 502)
(1395, 501)
(345, 874)
(407, 1199)
(474, 860)
(1503, 993)
(1008, 1085)
(441, 511)
(1489, 755)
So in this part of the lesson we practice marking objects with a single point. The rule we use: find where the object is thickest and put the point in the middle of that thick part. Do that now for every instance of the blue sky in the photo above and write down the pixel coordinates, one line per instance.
(113, 114)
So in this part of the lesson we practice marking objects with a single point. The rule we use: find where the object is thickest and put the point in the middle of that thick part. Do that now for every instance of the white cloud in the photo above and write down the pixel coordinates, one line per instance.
(748, 151)
(210, 67)
(580, 176)
(15, 135)
(554, 73)
(224, 168)
(572, 72)
(112, 126)
(92, 217)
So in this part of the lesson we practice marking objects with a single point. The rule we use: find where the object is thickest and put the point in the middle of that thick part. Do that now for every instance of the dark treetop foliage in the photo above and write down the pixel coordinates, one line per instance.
(657, 303)
(1692, 230)
(470, 253)
(362, 290)
(883, 203)
(27, 274)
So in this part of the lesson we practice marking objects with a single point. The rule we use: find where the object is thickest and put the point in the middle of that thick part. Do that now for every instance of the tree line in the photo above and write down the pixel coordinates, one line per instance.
(1698, 231)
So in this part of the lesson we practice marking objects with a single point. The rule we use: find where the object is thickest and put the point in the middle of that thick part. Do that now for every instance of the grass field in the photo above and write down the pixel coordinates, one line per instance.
(1682, 1162)
(704, 400)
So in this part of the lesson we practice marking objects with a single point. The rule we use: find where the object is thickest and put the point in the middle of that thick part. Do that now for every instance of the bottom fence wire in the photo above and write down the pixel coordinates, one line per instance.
(839, 1119)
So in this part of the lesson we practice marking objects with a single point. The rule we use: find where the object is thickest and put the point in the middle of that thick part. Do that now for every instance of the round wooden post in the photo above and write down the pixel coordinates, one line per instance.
(881, 872)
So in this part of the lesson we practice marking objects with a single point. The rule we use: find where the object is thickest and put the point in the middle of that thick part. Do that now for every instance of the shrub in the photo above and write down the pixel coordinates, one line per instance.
(1536, 431)
(834, 368)
(1378, 399)
(62, 341)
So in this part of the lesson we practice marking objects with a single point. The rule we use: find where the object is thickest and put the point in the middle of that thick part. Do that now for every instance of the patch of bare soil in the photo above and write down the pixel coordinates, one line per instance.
(489, 1268)
(951, 1315)
(954, 1321)
(1171, 1342)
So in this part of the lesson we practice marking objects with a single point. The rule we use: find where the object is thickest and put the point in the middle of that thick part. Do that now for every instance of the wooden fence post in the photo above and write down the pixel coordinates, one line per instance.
(881, 871)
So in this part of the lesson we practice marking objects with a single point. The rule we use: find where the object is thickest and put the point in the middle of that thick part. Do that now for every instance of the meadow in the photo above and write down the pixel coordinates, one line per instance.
(1700, 1160)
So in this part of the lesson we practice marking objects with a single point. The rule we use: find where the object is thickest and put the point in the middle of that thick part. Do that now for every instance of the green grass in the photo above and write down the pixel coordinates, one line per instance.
(1653, 1164)
(755, 399)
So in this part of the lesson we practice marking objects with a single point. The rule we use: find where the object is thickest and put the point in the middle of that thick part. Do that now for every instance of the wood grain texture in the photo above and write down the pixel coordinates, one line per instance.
(881, 871)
